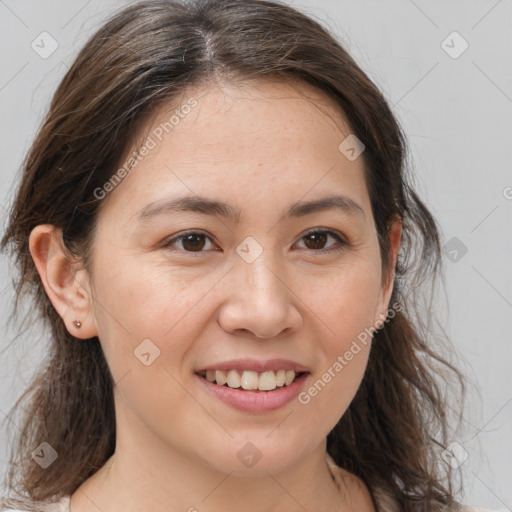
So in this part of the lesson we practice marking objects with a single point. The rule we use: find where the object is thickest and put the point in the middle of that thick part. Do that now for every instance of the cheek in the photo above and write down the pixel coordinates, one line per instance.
(149, 300)
(345, 307)
(332, 388)
(325, 399)
(147, 322)
(344, 302)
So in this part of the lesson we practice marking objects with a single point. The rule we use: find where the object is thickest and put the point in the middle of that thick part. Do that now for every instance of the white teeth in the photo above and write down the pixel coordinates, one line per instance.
(289, 376)
(249, 380)
(233, 379)
(268, 381)
(220, 377)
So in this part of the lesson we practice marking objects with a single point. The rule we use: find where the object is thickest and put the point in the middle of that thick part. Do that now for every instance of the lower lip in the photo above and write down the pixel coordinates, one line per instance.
(255, 401)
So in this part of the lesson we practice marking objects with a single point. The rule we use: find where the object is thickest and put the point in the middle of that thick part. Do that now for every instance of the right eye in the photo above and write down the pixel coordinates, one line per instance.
(191, 241)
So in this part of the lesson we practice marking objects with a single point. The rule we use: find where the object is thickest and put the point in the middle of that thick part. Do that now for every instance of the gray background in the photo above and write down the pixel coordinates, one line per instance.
(457, 115)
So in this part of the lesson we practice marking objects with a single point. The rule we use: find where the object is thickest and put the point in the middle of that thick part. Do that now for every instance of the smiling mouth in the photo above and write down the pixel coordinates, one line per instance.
(249, 380)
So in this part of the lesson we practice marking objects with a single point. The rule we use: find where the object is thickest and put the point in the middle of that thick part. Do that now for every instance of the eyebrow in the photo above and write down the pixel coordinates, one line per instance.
(203, 205)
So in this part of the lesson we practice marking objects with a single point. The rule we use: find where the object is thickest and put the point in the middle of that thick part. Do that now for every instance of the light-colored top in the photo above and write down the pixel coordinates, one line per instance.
(383, 501)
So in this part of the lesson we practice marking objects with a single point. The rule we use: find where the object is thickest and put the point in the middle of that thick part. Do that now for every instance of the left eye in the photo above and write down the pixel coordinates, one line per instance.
(320, 237)
(195, 241)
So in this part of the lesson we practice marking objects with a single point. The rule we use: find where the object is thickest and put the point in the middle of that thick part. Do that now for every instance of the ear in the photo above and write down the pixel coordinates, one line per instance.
(394, 235)
(66, 282)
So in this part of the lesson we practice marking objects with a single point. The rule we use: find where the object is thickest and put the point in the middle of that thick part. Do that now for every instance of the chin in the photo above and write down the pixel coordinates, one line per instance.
(256, 458)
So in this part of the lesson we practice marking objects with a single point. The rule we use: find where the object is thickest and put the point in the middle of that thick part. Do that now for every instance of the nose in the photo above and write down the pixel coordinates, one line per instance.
(259, 300)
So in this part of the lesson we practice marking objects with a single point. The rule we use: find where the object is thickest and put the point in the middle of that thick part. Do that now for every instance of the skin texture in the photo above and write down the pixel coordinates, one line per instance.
(260, 147)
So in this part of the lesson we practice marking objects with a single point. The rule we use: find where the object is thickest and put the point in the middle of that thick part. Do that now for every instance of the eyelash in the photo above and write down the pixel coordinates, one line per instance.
(167, 244)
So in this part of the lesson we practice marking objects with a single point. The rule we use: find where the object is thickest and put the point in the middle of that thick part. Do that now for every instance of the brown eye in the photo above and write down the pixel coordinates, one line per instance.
(197, 242)
(316, 240)
(193, 242)
(190, 242)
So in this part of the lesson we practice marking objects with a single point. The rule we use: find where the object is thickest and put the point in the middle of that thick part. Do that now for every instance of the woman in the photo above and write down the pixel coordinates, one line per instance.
(213, 221)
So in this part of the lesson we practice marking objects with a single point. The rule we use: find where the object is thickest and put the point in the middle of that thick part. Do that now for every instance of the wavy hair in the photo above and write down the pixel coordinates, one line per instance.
(145, 55)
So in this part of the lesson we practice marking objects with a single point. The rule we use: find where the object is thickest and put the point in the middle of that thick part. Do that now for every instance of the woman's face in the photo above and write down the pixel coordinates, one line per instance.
(215, 253)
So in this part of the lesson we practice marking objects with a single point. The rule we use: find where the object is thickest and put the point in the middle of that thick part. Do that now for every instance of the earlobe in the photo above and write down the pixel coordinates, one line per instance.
(65, 281)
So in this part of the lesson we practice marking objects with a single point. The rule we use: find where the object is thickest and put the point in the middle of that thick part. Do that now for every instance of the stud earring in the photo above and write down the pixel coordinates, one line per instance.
(77, 324)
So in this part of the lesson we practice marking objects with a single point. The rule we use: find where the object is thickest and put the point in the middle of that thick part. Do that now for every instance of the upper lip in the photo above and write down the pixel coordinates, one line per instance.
(256, 365)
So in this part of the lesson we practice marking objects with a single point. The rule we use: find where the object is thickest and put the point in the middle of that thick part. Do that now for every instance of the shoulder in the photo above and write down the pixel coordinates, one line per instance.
(467, 508)
(25, 504)
(386, 503)
(359, 493)
(383, 501)
(360, 496)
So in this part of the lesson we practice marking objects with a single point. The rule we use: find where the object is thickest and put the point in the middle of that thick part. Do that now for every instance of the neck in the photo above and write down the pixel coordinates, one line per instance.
(135, 479)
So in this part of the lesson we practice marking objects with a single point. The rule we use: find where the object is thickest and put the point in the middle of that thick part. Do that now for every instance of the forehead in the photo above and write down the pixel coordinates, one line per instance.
(243, 142)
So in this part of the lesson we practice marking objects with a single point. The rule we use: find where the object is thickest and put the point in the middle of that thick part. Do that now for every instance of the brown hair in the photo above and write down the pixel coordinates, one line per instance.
(149, 53)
